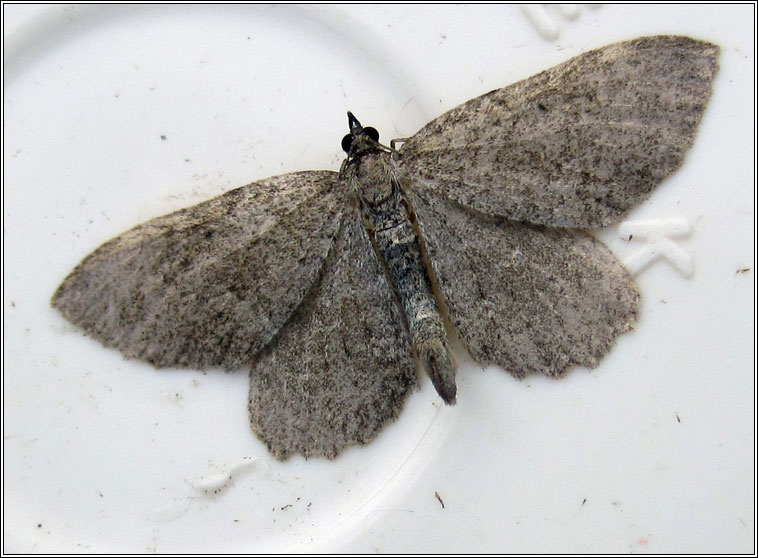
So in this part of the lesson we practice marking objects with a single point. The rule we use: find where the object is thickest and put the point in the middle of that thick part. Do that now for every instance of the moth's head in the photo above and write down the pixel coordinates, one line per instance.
(360, 139)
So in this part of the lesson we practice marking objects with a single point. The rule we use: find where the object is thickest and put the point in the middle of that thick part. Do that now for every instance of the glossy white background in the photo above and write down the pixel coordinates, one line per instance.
(653, 451)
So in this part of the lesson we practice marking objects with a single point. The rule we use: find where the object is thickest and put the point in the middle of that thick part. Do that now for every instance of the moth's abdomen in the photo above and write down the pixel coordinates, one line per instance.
(401, 252)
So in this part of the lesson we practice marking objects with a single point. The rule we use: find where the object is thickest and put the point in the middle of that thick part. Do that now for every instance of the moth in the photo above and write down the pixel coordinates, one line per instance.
(336, 287)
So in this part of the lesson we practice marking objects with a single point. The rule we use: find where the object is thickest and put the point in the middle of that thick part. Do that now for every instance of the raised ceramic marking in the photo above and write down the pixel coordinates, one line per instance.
(543, 17)
(657, 236)
(334, 285)
(220, 480)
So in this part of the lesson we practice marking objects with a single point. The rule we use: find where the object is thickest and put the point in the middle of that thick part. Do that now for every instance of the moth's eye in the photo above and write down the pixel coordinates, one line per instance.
(347, 141)
(372, 133)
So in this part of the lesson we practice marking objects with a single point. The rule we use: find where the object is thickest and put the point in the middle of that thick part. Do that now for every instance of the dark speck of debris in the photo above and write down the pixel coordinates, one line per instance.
(743, 270)
(631, 236)
(163, 137)
(584, 501)
(436, 495)
(285, 507)
(39, 525)
(677, 417)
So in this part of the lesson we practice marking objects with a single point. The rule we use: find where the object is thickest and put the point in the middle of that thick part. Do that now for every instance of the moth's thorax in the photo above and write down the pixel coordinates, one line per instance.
(374, 178)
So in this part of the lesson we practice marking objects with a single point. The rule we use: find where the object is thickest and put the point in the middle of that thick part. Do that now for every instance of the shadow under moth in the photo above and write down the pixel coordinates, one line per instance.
(333, 286)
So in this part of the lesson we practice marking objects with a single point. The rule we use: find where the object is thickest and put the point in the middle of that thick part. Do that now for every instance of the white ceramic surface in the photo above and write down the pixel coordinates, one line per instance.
(653, 451)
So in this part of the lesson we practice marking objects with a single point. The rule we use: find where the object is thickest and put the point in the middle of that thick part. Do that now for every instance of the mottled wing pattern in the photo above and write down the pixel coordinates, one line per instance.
(526, 297)
(342, 366)
(577, 145)
(209, 285)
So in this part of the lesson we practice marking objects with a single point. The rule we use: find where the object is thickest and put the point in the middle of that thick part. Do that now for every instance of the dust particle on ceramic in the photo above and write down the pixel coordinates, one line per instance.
(333, 286)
